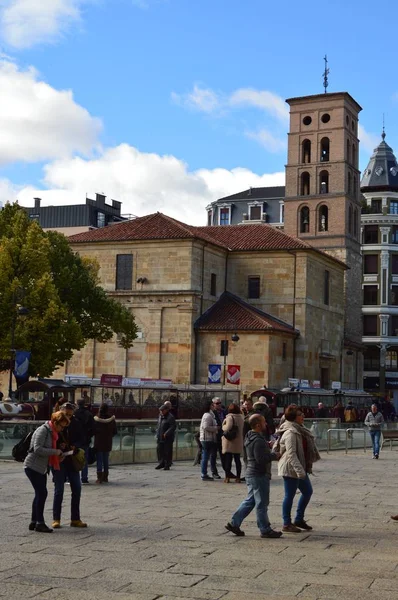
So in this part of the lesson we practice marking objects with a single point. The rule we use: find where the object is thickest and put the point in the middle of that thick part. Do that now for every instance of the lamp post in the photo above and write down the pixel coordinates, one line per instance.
(224, 345)
(20, 311)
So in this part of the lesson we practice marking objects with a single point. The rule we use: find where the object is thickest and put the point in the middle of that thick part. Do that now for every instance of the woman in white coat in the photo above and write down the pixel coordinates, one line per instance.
(298, 453)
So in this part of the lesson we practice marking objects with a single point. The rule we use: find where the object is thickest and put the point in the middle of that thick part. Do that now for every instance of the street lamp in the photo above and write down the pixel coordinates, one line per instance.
(224, 344)
(20, 312)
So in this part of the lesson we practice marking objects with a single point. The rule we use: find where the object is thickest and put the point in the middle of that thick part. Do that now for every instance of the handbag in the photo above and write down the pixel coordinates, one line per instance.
(79, 459)
(231, 433)
(91, 455)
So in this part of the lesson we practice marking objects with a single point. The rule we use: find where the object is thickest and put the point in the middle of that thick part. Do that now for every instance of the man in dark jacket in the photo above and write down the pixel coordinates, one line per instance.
(258, 476)
(165, 437)
(261, 407)
(86, 420)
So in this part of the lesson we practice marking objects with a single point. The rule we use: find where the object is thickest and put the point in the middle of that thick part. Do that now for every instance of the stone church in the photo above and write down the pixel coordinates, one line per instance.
(287, 302)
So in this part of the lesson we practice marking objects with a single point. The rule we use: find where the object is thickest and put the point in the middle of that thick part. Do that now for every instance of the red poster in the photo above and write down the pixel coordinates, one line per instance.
(110, 380)
(233, 374)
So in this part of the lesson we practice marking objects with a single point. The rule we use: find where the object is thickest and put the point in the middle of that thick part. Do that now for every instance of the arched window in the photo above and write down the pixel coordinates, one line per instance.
(324, 182)
(350, 219)
(354, 155)
(354, 187)
(323, 224)
(356, 223)
(304, 219)
(349, 182)
(348, 150)
(305, 184)
(306, 151)
(325, 145)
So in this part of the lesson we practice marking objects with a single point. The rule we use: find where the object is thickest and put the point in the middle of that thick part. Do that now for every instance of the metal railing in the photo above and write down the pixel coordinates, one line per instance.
(349, 437)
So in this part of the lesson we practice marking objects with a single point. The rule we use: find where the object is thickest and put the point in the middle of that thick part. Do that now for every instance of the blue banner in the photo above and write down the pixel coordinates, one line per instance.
(214, 374)
(21, 367)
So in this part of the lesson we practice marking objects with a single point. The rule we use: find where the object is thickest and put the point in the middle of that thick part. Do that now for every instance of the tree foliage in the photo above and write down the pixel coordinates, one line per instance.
(67, 306)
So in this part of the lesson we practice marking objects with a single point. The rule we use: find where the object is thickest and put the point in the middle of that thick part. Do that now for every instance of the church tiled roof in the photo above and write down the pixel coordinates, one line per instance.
(241, 316)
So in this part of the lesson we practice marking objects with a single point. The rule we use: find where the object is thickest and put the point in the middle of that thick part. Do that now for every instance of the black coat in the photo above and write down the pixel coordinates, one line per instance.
(104, 430)
(166, 427)
(86, 419)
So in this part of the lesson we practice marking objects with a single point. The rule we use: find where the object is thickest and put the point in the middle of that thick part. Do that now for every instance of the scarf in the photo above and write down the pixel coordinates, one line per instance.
(53, 460)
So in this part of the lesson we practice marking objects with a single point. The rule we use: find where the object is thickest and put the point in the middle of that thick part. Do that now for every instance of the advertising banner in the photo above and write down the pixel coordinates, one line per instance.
(316, 384)
(336, 385)
(111, 380)
(233, 374)
(214, 374)
(21, 366)
(304, 383)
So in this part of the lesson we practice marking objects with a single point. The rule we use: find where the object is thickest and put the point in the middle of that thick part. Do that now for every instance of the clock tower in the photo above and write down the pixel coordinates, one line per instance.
(322, 203)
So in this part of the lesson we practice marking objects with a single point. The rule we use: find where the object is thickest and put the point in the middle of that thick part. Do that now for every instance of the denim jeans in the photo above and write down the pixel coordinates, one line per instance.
(66, 472)
(375, 435)
(292, 484)
(39, 483)
(84, 472)
(102, 461)
(209, 450)
(258, 496)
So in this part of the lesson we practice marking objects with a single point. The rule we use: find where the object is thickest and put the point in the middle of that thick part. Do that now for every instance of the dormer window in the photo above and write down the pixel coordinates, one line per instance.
(210, 217)
(224, 215)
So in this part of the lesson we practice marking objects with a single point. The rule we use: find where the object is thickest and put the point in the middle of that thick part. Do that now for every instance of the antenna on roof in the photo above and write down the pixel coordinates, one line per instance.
(383, 135)
(325, 74)
(249, 193)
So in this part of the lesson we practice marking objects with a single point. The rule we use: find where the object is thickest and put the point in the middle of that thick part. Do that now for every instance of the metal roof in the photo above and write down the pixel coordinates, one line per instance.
(381, 174)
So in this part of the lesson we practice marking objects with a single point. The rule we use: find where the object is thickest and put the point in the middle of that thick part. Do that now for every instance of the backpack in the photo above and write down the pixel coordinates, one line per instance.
(350, 415)
(231, 433)
(21, 450)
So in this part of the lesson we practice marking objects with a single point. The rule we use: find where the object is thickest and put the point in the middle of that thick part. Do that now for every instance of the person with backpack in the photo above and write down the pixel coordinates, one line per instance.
(104, 430)
(232, 442)
(86, 419)
(43, 453)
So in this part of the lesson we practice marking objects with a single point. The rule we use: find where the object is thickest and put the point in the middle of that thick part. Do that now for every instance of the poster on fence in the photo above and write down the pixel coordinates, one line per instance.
(214, 374)
(233, 374)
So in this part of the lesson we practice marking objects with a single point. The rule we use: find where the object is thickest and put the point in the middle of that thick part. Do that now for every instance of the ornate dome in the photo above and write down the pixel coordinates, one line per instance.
(381, 174)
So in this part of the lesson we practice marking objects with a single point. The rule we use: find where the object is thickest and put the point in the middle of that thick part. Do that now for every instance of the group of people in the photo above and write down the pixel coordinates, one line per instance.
(61, 446)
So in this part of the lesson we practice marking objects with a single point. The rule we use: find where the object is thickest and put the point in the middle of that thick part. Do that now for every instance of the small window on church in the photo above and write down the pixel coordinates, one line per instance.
(354, 155)
(304, 219)
(349, 182)
(348, 151)
(323, 218)
(306, 152)
(307, 120)
(325, 144)
(305, 184)
(350, 220)
(253, 287)
(323, 182)
(356, 223)
(213, 284)
(325, 118)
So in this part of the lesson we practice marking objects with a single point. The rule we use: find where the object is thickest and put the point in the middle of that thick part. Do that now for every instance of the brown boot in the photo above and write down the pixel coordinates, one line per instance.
(100, 477)
(105, 477)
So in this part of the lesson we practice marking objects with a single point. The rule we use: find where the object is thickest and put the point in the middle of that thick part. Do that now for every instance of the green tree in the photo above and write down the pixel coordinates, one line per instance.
(61, 290)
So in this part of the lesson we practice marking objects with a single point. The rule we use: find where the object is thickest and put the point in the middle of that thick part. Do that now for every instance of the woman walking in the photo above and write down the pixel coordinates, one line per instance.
(298, 453)
(104, 430)
(43, 452)
(232, 442)
(208, 439)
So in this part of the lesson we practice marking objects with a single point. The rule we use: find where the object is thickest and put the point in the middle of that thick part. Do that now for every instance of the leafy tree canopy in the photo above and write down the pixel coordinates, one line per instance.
(61, 290)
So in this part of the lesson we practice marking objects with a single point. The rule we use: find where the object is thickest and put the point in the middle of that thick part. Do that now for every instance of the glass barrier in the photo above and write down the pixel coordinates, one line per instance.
(135, 441)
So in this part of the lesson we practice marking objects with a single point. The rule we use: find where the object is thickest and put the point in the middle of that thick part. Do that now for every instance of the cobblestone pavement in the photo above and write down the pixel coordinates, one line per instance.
(160, 535)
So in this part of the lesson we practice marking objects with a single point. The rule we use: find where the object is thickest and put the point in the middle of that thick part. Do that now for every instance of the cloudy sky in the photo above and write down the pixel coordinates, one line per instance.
(169, 104)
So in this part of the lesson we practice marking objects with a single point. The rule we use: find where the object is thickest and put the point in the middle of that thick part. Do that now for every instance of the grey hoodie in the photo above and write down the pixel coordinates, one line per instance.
(259, 456)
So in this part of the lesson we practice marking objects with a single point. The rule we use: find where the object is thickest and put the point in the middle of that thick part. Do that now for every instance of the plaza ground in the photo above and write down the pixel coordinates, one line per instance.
(158, 535)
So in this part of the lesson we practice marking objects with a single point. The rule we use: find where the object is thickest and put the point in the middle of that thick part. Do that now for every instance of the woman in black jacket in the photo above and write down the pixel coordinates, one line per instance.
(104, 430)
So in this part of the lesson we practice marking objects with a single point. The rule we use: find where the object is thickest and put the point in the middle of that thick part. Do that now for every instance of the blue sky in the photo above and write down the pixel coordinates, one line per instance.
(167, 104)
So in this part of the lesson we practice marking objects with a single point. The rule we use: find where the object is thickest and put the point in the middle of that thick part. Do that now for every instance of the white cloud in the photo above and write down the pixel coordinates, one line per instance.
(267, 140)
(268, 101)
(368, 141)
(201, 99)
(143, 182)
(38, 122)
(25, 23)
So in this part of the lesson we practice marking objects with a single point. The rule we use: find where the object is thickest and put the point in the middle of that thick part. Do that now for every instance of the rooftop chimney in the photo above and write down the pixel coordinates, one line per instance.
(100, 199)
(37, 203)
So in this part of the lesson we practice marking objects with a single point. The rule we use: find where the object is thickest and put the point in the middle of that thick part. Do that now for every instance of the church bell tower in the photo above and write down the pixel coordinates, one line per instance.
(322, 203)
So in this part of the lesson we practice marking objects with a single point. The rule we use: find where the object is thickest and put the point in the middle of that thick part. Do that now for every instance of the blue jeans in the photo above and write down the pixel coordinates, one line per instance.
(258, 496)
(375, 435)
(209, 450)
(291, 485)
(66, 472)
(84, 473)
(102, 461)
(39, 483)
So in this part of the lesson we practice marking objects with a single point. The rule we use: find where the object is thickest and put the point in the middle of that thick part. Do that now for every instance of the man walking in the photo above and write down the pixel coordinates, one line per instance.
(258, 475)
(165, 437)
(374, 420)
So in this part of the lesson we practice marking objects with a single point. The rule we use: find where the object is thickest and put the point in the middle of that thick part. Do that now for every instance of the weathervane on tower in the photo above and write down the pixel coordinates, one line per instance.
(325, 74)
(383, 135)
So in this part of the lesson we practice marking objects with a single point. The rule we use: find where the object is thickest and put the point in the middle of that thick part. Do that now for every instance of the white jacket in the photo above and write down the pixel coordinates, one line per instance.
(292, 461)
(208, 428)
